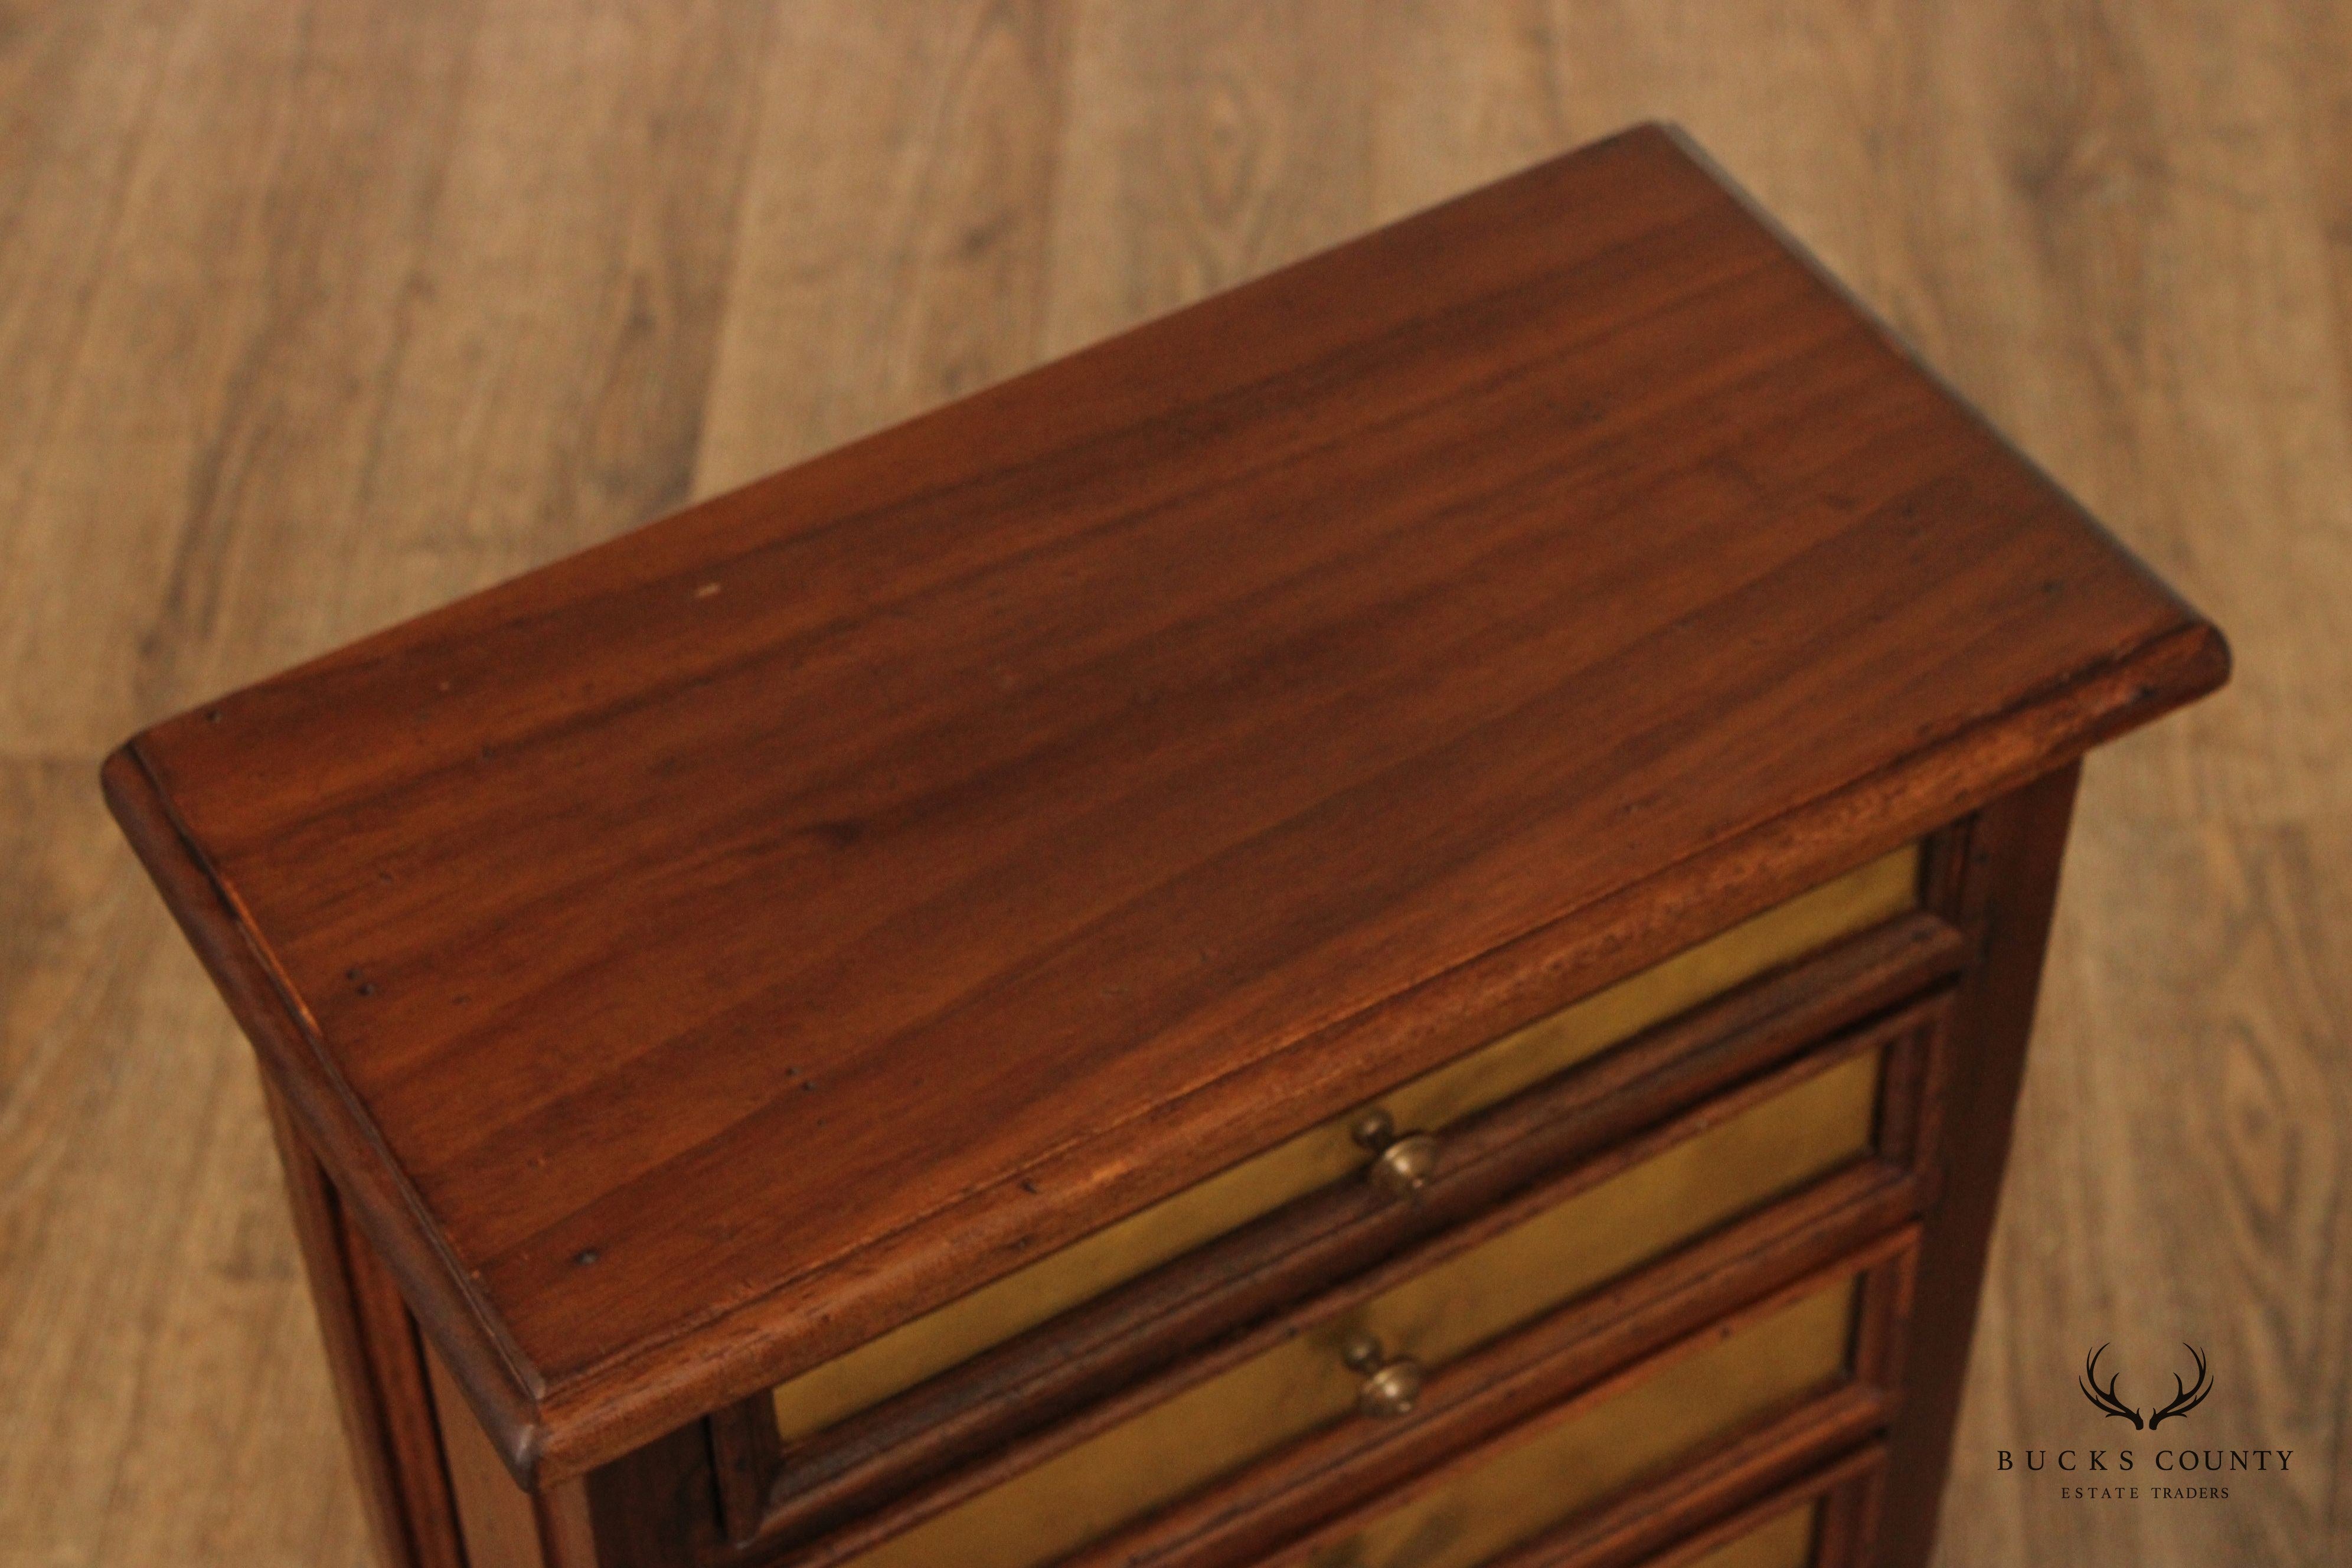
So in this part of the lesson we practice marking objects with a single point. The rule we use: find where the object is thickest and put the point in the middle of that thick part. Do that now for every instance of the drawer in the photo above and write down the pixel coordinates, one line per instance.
(1334, 1151)
(1784, 1540)
(1601, 1446)
(1587, 1483)
(1803, 1488)
(1825, 1518)
(1357, 1354)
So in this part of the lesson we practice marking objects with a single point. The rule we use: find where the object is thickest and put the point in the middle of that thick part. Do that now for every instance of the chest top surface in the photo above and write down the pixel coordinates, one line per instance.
(698, 954)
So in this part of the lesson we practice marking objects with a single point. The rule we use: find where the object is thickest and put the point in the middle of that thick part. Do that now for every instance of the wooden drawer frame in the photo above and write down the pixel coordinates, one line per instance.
(684, 1501)
(1618, 1323)
(1098, 1359)
(1623, 1527)
(1739, 1487)
(1439, 1101)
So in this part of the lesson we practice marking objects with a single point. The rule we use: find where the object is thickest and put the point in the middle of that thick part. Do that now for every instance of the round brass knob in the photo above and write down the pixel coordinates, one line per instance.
(1402, 1166)
(1391, 1385)
(1393, 1390)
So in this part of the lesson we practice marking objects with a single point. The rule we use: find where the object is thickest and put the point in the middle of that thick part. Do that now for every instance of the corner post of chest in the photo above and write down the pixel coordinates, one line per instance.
(1999, 884)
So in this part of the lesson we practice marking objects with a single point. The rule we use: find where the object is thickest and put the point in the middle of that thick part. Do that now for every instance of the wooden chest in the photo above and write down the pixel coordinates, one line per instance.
(1391, 922)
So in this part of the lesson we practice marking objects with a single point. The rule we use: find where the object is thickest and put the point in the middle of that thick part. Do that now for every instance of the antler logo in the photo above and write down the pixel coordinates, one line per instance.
(2185, 1398)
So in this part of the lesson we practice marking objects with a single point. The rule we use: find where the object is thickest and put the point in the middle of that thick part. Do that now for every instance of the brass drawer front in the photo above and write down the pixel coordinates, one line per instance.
(1786, 1541)
(1612, 1443)
(1326, 1153)
(1762, 1152)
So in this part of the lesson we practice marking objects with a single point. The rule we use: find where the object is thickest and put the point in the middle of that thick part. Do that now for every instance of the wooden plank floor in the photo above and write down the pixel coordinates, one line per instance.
(316, 313)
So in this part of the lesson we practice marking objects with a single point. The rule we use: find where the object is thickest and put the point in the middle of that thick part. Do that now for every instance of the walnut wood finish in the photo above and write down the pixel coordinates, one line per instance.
(379, 1378)
(702, 954)
(496, 1518)
(1841, 1211)
(1652, 1527)
(1112, 1344)
(1846, 1493)
(1425, 1113)
(1999, 883)
(1965, 873)
(1861, 1399)
(665, 1506)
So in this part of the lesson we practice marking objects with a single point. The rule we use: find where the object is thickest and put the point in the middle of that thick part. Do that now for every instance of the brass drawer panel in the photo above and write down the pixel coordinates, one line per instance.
(1583, 1455)
(1328, 1153)
(1768, 1148)
(1786, 1541)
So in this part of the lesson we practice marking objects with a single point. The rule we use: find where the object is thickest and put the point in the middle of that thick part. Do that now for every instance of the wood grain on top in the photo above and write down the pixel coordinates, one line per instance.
(707, 951)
